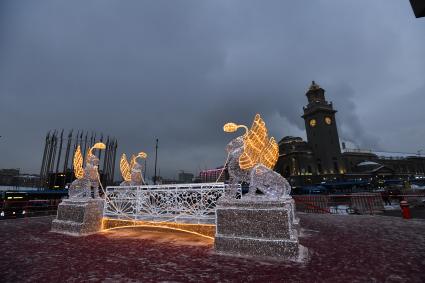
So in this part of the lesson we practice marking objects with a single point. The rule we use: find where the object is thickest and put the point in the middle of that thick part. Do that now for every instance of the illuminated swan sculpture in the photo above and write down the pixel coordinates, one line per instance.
(251, 160)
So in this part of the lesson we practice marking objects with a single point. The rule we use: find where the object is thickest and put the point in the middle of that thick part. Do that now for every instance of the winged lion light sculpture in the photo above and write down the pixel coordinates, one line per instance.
(132, 172)
(252, 157)
(87, 177)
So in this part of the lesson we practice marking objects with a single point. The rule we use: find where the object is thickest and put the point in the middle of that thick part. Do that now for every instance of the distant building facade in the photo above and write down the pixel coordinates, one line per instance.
(13, 177)
(27, 180)
(164, 181)
(185, 177)
(320, 157)
(218, 174)
(7, 177)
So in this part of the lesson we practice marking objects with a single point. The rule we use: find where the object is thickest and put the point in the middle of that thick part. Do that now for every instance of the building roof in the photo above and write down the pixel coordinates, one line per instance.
(394, 155)
(288, 139)
(367, 163)
(380, 154)
(380, 169)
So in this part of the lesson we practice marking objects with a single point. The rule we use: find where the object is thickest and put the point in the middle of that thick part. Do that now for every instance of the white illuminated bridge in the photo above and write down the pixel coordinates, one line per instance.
(181, 203)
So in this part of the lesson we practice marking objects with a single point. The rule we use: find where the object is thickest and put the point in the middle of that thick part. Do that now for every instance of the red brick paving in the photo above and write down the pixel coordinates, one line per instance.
(342, 249)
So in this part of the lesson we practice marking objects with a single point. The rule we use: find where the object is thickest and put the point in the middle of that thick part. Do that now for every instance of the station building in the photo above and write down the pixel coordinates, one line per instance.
(321, 159)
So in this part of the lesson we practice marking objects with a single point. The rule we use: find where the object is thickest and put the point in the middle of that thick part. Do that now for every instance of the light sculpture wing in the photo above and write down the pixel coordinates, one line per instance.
(251, 159)
(270, 154)
(133, 161)
(255, 141)
(125, 168)
(78, 164)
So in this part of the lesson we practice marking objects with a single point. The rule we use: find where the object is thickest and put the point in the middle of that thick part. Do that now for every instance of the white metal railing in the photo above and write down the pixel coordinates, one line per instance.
(193, 203)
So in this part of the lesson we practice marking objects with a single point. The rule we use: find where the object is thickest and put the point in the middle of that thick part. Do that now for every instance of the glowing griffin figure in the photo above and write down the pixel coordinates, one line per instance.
(251, 160)
(87, 177)
(132, 173)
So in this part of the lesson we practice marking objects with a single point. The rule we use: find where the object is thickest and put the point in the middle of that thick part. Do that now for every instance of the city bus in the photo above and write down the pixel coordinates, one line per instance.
(13, 204)
(28, 203)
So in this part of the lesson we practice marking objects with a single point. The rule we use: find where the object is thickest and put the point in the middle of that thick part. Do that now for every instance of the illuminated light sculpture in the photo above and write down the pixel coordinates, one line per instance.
(256, 225)
(87, 177)
(252, 157)
(132, 173)
(194, 203)
(203, 230)
(82, 214)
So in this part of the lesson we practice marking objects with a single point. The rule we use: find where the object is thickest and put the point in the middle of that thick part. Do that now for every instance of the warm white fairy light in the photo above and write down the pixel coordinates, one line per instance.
(252, 157)
(87, 177)
(132, 172)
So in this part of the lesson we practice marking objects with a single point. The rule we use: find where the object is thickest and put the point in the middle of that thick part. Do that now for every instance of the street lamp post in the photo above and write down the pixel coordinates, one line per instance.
(156, 158)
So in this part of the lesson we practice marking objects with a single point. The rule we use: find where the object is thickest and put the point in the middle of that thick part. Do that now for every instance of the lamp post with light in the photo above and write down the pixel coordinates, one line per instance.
(156, 158)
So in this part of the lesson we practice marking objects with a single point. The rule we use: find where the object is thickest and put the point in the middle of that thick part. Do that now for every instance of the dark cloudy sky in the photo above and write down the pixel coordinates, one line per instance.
(178, 70)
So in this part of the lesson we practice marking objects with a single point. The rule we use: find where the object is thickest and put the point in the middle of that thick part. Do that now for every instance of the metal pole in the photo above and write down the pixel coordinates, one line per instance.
(144, 173)
(91, 138)
(156, 159)
(100, 152)
(65, 163)
(52, 152)
(113, 162)
(59, 159)
(68, 148)
(105, 169)
(73, 152)
(85, 145)
(43, 163)
(110, 153)
(111, 159)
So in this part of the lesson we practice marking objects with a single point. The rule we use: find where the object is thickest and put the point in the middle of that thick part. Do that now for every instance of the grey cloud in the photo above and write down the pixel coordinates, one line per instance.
(178, 70)
(349, 125)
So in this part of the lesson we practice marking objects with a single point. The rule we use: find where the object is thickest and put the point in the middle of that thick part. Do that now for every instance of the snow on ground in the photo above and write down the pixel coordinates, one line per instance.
(393, 206)
(342, 248)
(340, 209)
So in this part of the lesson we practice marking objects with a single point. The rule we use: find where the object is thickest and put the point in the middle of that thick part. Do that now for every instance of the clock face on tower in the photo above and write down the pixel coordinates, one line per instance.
(313, 122)
(328, 120)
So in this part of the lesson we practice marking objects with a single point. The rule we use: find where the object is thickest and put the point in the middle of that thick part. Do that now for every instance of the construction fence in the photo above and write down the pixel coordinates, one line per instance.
(360, 203)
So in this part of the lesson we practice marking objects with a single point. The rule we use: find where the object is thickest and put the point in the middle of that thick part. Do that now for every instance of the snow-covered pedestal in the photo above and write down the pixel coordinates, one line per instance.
(79, 217)
(257, 227)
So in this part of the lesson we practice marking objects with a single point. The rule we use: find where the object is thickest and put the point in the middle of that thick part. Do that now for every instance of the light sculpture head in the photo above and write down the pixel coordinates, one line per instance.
(98, 145)
(141, 155)
(232, 127)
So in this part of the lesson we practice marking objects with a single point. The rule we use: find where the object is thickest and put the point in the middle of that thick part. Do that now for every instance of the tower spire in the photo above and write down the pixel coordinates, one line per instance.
(315, 93)
(314, 86)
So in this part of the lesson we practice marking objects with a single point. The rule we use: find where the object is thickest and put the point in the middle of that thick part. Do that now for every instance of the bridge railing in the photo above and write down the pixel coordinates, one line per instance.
(191, 203)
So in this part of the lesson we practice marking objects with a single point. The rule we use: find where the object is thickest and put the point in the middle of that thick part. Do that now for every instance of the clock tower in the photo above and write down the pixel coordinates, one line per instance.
(322, 133)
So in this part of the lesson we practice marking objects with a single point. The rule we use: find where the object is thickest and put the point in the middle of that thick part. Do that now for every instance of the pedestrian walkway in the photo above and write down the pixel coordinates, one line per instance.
(416, 212)
(342, 248)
